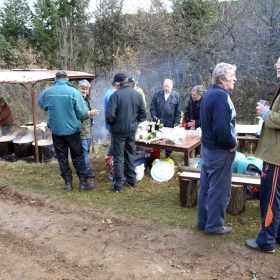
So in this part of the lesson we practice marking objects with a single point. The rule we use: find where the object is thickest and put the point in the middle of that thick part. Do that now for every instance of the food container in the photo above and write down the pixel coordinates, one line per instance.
(22, 149)
(6, 145)
(45, 149)
(140, 171)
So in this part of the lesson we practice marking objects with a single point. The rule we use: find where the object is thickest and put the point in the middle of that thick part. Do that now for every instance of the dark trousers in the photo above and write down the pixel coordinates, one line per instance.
(270, 206)
(73, 143)
(124, 155)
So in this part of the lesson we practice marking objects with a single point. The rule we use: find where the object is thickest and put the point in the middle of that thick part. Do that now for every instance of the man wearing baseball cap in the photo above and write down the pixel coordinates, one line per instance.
(134, 84)
(125, 110)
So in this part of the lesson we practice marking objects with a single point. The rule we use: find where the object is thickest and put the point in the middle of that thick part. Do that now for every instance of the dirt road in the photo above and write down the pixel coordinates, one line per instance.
(45, 239)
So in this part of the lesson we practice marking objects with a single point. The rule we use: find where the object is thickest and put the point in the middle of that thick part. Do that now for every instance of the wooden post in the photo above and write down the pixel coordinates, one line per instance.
(237, 203)
(188, 192)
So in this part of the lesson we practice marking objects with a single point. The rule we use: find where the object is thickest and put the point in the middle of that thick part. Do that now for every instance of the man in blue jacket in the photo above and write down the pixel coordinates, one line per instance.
(217, 119)
(166, 106)
(65, 107)
(125, 110)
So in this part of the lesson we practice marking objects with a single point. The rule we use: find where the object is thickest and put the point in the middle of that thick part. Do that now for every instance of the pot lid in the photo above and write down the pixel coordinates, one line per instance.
(43, 142)
(162, 171)
(7, 138)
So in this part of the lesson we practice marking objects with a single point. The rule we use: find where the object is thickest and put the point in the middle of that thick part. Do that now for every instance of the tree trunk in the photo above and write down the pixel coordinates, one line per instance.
(188, 192)
(237, 203)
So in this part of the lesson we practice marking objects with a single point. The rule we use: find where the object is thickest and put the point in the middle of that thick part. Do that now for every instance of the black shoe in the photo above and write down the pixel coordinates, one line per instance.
(116, 190)
(90, 174)
(68, 186)
(131, 184)
(84, 185)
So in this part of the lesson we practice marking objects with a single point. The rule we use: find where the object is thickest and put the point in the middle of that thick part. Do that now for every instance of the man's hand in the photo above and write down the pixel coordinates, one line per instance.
(233, 149)
(261, 108)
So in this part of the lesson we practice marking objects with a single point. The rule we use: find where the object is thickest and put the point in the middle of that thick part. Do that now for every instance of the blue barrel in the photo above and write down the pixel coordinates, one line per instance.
(243, 164)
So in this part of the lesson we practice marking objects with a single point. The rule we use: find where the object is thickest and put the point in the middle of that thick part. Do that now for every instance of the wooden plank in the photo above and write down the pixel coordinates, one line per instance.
(235, 179)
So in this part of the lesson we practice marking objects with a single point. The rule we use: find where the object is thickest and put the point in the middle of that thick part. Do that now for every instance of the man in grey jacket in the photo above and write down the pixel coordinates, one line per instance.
(125, 110)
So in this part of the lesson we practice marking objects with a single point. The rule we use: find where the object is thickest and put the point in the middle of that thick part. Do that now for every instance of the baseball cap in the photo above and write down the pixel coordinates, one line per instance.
(132, 79)
(119, 78)
(61, 75)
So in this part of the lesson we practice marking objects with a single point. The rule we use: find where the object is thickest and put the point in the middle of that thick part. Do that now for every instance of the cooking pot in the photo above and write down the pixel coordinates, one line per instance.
(45, 149)
(22, 149)
(6, 145)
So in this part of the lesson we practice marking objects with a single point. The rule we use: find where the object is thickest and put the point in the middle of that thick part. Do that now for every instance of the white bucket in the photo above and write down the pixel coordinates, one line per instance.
(140, 172)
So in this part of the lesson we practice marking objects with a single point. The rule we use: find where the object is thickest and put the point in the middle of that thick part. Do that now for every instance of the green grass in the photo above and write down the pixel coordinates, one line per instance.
(150, 200)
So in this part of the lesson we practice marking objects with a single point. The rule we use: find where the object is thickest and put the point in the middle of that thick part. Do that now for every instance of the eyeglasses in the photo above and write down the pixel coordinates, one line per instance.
(276, 65)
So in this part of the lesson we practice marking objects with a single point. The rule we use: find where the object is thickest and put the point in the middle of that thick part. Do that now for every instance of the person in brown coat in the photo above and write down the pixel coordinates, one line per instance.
(6, 118)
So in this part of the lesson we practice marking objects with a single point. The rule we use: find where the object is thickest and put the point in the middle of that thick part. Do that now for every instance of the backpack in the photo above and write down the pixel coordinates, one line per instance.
(252, 192)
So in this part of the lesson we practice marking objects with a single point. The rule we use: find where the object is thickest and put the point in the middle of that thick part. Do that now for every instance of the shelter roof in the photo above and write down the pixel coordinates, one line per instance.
(33, 76)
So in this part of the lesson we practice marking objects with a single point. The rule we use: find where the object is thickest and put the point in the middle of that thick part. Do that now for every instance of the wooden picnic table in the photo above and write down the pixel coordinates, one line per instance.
(185, 145)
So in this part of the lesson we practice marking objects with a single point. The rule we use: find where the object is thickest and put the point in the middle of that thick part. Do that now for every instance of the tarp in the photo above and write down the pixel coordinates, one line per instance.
(27, 78)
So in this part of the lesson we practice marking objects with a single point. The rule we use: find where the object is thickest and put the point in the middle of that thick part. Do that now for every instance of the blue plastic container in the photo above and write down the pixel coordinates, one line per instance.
(238, 157)
(243, 164)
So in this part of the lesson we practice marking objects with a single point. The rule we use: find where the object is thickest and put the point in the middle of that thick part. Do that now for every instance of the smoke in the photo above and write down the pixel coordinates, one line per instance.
(25, 139)
(99, 89)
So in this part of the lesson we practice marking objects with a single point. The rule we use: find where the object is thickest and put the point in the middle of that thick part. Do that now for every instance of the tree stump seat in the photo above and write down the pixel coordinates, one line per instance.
(188, 184)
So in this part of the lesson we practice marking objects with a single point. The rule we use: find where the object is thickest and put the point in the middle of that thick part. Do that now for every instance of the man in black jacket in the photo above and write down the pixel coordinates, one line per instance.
(125, 110)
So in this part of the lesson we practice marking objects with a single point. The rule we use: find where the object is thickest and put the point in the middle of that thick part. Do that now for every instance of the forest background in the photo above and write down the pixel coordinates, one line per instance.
(183, 42)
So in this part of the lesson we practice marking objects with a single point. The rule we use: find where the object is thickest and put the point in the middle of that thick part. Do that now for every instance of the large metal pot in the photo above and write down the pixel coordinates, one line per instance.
(6, 145)
(45, 149)
(22, 149)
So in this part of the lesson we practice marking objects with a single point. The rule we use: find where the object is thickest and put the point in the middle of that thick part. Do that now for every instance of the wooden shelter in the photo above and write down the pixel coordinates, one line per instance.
(28, 78)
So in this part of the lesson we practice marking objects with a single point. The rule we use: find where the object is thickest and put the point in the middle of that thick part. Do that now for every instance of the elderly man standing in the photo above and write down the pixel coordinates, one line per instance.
(125, 110)
(166, 106)
(6, 117)
(217, 119)
(268, 150)
(65, 106)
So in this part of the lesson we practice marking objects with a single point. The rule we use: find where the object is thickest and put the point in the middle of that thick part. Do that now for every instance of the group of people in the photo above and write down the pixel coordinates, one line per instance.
(212, 110)
(70, 121)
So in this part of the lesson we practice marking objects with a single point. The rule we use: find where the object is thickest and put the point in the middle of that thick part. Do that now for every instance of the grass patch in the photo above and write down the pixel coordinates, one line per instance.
(150, 200)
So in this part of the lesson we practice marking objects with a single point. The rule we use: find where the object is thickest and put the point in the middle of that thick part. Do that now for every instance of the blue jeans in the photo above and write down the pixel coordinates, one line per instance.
(215, 188)
(86, 143)
(270, 207)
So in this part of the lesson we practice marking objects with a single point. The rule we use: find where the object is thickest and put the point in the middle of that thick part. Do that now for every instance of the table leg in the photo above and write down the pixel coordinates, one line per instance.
(187, 158)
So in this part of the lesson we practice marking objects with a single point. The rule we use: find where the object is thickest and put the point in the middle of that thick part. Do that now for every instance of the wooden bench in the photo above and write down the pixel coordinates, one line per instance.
(189, 177)
(247, 143)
